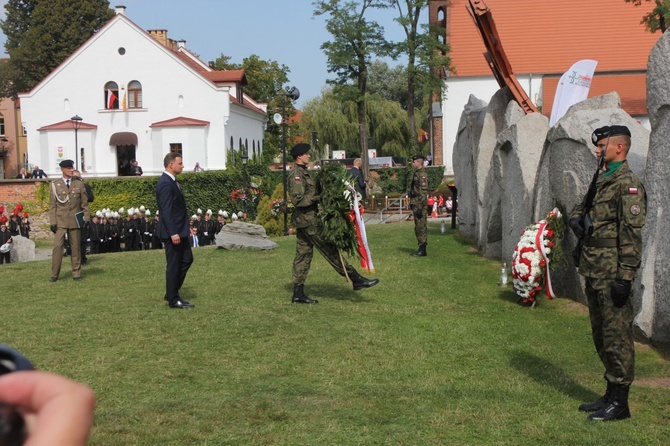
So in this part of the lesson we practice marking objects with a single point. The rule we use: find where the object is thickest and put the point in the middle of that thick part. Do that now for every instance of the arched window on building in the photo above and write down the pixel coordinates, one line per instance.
(111, 96)
(134, 95)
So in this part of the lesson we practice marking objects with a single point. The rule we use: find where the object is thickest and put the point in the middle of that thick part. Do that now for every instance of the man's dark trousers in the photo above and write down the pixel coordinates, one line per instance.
(179, 259)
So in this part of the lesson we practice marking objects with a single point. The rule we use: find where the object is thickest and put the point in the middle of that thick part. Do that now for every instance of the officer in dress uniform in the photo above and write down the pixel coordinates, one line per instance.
(418, 196)
(610, 258)
(155, 241)
(145, 230)
(67, 198)
(129, 231)
(5, 237)
(207, 229)
(14, 224)
(305, 218)
(95, 233)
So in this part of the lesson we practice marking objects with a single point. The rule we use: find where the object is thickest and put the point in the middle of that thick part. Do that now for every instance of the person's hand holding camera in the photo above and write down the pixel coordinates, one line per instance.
(57, 411)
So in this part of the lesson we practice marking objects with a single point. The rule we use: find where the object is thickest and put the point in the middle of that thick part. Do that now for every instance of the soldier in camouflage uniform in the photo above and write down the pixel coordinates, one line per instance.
(418, 195)
(306, 220)
(609, 261)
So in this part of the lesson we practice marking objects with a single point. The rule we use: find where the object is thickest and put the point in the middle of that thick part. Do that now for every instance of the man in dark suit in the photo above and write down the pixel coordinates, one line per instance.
(37, 173)
(173, 229)
(357, 176)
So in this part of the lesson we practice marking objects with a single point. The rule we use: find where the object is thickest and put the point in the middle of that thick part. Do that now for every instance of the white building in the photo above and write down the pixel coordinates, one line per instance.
(541, 41)
(140, 95)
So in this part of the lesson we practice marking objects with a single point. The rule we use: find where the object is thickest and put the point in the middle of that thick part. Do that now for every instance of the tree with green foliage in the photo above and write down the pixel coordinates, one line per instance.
(335, 122)
(426, 58)
(43, 33)
(389, 83)
(356, 40)
(656, 19)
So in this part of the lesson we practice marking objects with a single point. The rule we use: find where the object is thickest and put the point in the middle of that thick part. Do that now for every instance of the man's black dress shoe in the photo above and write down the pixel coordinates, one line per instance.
(181, 304)
(53, 279)
(361, 282)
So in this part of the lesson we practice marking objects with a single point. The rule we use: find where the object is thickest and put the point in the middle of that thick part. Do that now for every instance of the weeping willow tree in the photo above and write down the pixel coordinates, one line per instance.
(336, 123)
(388, 128)
(333, 120)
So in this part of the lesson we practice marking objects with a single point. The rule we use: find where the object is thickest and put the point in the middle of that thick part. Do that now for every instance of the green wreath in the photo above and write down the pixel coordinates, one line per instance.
(338, 228)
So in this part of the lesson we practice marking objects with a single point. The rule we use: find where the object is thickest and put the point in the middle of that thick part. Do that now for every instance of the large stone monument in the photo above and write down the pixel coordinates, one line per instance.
(653, 318)
(23, 249)
(241, 235)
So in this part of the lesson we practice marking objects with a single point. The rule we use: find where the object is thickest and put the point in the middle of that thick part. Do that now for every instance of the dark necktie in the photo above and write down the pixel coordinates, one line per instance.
(68, 183)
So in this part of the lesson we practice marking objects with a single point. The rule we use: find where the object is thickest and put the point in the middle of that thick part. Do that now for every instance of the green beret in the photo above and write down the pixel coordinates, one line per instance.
(418, 157)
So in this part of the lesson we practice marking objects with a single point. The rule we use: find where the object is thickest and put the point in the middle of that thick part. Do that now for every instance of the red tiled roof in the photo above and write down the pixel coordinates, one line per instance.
(181, 121)
(67, 125)
(632, 89)
(226, 76)
(542, 37)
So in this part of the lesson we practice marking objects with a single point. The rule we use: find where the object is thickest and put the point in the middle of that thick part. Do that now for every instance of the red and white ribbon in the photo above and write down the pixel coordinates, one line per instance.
(539, 242)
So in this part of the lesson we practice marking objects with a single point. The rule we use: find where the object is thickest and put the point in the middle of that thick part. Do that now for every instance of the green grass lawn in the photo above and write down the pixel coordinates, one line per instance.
(436, 354)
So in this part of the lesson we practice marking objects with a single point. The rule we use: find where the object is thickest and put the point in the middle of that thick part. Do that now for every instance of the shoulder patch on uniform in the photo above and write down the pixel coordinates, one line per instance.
(635, 209)
(632, 190)
(296, 178)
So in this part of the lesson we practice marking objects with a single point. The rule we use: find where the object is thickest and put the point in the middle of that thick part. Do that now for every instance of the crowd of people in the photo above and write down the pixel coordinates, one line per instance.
(135, 230)
(18, 223)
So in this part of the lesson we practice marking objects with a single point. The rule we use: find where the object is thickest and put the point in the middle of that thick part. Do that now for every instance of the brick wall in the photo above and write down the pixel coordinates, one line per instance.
(17, 191)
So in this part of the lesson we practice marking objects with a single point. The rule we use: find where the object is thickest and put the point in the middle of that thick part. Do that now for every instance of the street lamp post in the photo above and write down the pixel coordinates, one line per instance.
(314, 140)
(76, 124)
(293, 94)
(245, 158)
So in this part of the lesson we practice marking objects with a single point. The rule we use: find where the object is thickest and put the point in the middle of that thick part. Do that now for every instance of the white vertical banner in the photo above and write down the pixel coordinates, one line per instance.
(572, 88)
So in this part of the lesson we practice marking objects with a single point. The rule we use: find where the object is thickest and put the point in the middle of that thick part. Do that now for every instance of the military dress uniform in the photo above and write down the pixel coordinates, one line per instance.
(609, 261)
(64, 203)
(5, 237)
(418, 195)
(207, 230)
(305, 219)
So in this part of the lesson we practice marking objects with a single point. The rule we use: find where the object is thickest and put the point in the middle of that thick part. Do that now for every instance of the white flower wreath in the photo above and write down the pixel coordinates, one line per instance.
(530, 262)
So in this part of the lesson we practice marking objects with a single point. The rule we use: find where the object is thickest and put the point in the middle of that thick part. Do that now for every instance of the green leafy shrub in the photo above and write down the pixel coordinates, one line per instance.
(272, 221)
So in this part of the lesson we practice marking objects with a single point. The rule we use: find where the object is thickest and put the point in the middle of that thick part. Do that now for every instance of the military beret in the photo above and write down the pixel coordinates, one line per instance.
(299, 149)
(607, 131)
(418, 157)
(67, 163)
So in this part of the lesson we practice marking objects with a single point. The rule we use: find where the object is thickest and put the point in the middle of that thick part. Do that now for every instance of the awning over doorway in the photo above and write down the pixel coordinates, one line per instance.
(123, 139)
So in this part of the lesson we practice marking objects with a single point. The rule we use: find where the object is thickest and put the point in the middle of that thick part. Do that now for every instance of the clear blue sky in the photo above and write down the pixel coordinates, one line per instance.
(281, 30)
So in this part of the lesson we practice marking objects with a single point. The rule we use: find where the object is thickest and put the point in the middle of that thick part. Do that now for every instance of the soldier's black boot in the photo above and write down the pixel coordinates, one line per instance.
(600, 402)
(617, 406)
(299, 296)
(421, 252)
(361, 282)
